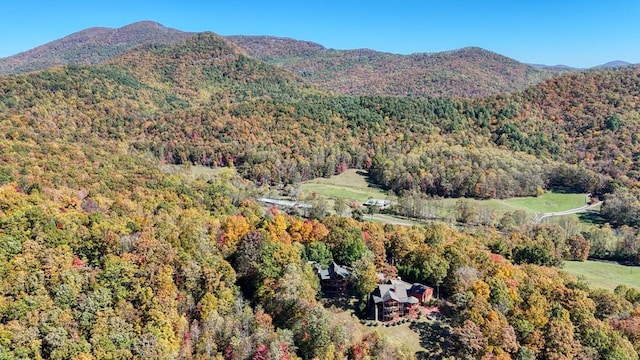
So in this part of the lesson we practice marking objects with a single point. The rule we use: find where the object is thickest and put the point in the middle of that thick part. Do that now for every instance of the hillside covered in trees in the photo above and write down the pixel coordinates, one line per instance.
(90, 46)
(467, 72)
(102, 255)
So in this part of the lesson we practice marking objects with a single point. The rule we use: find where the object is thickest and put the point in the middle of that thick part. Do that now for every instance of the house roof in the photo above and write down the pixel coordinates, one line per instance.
(324, 274)
(396, 290)
(284, 203)
(399, 282)
(333, 271)
(377, 202)
(418, 288)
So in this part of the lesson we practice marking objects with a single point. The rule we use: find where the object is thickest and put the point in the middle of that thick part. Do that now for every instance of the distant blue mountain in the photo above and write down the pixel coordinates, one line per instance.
(613, 64)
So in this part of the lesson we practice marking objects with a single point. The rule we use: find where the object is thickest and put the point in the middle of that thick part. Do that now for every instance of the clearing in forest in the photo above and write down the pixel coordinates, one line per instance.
(353, 185)
(196, 171)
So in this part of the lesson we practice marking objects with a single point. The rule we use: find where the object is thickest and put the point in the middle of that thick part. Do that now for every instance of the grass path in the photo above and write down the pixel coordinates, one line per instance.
(390, 219)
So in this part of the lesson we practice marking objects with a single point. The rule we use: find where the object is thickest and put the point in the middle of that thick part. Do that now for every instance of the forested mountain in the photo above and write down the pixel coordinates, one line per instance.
(613, 64)
(205, 102)
(90, 46)
(104, 256)
(467, 72)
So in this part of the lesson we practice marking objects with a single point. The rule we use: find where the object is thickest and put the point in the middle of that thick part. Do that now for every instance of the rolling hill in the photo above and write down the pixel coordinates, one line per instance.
(205, 101)
(90, 46)
(616, 64)
(467, 72)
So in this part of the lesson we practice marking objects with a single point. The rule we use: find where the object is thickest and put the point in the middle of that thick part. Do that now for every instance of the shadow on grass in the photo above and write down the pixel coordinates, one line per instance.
(367, 179)
(342, 301)
(435, 337)
(348, 303)
(592, 217)
(564, 190)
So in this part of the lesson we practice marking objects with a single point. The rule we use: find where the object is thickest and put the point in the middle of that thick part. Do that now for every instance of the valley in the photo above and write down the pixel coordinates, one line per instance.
(353, 186)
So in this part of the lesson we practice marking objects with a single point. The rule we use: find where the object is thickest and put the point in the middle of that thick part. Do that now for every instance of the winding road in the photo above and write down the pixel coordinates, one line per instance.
(539, 217)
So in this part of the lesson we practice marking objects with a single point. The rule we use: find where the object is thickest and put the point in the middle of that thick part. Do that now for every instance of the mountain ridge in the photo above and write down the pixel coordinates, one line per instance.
(465, 72)
(243, 112)
(613, 64)
(90, 46)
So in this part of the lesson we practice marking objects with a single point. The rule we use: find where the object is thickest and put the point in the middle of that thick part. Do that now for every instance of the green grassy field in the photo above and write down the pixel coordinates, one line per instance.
(604, 275)
(352, 185)
(549, 202)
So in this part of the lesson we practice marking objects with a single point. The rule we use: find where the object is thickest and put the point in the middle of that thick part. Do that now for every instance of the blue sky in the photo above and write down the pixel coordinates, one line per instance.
(576, 33)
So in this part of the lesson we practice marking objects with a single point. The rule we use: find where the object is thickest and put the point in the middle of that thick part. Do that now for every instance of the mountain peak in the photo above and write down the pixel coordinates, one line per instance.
(91, 46)
(613, 64)
(145, 24)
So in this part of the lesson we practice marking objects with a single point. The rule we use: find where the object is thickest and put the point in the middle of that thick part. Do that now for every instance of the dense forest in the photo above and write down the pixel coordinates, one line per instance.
(91, 46)
(467, 72)
(102, 255)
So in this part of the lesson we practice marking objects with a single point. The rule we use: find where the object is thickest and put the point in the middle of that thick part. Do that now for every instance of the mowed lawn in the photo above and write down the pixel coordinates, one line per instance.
(548, 202)
(350, 185)
(400, 334)
(604, 275)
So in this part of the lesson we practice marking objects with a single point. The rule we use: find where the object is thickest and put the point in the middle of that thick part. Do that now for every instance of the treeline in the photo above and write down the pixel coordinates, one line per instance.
(272, 143)
(456, 171)
(622, 207)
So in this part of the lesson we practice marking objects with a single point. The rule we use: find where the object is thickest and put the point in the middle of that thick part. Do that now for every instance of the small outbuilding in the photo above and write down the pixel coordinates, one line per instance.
(380, 203)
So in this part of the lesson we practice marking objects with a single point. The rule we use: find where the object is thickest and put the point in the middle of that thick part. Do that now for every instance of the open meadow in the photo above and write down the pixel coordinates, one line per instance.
(604, 275)
(196, 171)
(352, 185)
